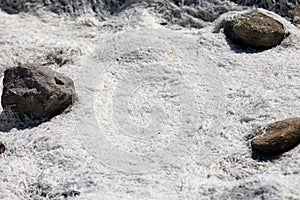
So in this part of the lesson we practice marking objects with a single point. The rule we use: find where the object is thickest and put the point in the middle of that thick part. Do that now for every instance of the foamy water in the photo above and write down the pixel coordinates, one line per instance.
(164, 110)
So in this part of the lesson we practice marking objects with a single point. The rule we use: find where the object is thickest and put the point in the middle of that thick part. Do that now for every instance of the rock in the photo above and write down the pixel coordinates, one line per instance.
(36, 92)
(258, 31)
(2, 148)
(279, 137)
(295, 12)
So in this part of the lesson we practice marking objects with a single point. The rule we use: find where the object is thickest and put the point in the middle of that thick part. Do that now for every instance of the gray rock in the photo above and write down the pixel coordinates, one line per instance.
(258, 31)
(279, 137)
(36, 92)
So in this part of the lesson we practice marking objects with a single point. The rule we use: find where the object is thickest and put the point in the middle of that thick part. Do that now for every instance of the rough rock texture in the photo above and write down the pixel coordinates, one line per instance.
(258, 31)
(36, 92)
(2, 148)
(279, 137)
(295, 12)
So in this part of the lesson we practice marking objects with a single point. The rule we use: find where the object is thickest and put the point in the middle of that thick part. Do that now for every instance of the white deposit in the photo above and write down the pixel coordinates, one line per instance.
(163, 111)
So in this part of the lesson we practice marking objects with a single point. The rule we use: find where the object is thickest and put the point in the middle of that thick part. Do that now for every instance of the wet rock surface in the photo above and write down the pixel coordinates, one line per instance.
(36, 92)
(258, 31)
(279, 137)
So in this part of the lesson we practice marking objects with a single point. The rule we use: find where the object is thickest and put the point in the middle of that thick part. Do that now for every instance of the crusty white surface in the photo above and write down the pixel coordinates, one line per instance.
(187, 84)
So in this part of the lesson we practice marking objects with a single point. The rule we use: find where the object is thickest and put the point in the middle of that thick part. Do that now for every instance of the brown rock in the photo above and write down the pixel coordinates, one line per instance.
(36, 92)
(279, 137)
(2, 148)
(295, 12)
(258, 31)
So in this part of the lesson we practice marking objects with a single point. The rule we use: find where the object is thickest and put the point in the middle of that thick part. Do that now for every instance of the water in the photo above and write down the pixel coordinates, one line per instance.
(206, 10)
(53, 159)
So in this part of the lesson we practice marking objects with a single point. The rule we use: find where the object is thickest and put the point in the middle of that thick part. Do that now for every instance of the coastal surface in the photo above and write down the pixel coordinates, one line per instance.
(166, 105)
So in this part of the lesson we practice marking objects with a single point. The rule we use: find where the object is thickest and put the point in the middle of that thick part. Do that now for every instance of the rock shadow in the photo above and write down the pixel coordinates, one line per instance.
(240, 48)
(265, 157)
(10, 120)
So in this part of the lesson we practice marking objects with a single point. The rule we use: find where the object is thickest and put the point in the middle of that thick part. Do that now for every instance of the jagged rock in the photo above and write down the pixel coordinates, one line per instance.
(279, 137)
(36, 92)
(2, 148)
(258, 31)
(295, 12)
